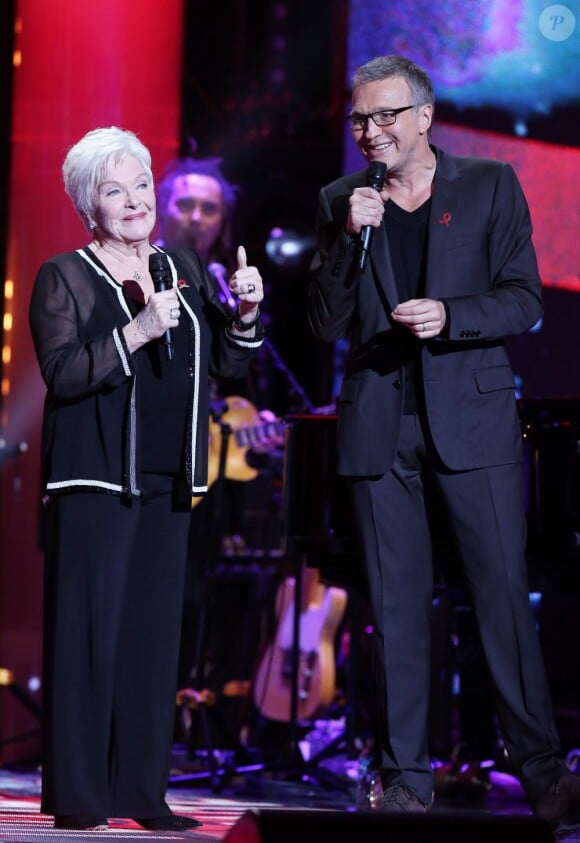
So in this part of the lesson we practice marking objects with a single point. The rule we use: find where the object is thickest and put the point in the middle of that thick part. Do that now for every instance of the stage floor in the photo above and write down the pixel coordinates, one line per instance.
(220, 808)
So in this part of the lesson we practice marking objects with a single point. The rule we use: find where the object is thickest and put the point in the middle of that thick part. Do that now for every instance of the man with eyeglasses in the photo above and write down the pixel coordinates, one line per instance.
(427, 415)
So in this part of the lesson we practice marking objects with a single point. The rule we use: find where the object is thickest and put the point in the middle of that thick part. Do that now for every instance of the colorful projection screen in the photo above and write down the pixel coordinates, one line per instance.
(507, 86)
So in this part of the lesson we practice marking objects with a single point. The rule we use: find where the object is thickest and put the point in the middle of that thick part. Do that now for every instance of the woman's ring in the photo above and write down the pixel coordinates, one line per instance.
(251, 288)
(423, 329)
(174, 313)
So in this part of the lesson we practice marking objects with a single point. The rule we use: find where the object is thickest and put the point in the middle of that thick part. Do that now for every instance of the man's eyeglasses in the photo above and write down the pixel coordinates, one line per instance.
(358, 122)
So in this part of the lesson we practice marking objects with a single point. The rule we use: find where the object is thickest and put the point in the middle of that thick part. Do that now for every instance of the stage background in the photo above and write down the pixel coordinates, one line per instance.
(264, 85)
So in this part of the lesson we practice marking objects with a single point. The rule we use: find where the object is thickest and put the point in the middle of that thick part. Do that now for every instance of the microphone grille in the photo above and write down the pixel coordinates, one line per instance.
(158, 262)
(376, 174)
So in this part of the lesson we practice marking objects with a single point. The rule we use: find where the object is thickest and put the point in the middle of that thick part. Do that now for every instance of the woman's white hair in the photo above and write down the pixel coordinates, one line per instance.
(88, 160)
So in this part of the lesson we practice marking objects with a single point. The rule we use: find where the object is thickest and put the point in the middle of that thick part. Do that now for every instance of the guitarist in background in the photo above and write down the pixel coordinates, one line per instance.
(195, 210)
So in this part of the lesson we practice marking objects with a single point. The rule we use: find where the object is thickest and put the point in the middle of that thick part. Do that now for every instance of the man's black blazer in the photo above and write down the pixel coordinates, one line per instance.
(481, 260)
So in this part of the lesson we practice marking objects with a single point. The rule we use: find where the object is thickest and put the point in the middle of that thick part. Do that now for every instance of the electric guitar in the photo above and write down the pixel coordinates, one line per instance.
(321, 611)
(248, 431)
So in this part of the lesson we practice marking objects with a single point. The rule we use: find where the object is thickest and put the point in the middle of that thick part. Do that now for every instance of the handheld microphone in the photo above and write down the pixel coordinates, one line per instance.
(218, 271)
(376, 175)
(161, 274)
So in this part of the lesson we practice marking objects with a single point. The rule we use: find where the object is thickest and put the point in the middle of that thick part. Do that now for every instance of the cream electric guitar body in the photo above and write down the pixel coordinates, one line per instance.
(321, 611)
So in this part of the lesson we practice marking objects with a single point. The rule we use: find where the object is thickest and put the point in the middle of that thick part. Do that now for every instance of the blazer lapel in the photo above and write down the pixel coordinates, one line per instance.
(380, 259)
(441, 218)
(379, 262)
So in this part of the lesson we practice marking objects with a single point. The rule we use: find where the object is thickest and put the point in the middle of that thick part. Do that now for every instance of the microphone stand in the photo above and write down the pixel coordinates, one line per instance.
(217, 773)
(217, 409)
(289, 375)
(307, 406)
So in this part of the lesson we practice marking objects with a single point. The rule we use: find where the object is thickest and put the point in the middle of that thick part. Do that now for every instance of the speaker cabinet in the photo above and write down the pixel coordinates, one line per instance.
(469, 826)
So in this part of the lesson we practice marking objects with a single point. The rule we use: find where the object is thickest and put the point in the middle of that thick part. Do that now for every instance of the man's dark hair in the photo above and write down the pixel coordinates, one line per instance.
(384, 67)
(222, 248)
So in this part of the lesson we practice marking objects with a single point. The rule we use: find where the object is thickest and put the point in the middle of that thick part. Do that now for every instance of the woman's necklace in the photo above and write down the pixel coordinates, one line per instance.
(137, 276)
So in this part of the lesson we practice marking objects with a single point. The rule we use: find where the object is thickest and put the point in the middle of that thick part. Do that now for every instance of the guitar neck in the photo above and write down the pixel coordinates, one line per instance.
(247, 436)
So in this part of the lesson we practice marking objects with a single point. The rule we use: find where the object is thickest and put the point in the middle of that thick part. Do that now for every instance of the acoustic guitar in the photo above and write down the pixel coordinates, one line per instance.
(321, 611)
(247, 431)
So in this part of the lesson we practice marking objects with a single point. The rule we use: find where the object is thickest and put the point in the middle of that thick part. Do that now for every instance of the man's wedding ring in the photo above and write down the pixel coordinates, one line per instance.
(174, 312)
(423, 328)
(251, 288)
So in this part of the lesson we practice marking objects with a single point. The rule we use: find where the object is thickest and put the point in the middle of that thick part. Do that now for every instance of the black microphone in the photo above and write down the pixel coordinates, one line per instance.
(376, 175)
(161, 274)
(218, 271)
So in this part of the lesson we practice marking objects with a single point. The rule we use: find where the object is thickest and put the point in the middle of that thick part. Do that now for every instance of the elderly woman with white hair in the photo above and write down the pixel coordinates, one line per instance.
(124, 448)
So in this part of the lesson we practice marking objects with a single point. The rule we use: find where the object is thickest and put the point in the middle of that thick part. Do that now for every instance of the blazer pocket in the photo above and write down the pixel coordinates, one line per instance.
(494, 378)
